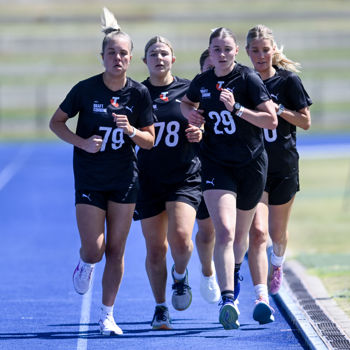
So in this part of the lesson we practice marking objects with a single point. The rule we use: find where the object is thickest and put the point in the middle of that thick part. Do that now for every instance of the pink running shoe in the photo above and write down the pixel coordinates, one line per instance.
(275, 279)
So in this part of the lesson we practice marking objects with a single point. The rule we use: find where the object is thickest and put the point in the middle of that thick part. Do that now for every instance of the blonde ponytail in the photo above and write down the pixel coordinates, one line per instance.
(110, 28)
(108, 22)
(279, 59)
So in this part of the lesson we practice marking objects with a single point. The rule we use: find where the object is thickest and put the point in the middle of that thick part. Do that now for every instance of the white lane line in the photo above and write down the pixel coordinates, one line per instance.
(13, 167)
(85, 319)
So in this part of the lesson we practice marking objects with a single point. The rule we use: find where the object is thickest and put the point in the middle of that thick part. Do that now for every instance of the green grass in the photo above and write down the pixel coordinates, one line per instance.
(319, 226)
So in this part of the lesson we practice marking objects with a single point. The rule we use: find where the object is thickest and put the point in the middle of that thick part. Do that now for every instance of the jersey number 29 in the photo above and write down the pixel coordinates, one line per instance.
(224, 118)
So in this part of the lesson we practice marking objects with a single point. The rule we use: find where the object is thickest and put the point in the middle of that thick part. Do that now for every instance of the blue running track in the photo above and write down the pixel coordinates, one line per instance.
(39, 251)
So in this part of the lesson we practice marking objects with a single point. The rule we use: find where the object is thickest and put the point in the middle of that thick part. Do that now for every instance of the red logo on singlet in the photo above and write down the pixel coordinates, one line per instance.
(163, 96)
(219, 85)
(114, 101)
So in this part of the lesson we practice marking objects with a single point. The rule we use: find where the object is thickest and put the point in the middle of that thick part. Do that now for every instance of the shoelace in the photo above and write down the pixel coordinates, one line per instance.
(180, 287)
(226, 300)
(160, 314)
(238, 277)
(85, 272)
(276, 274)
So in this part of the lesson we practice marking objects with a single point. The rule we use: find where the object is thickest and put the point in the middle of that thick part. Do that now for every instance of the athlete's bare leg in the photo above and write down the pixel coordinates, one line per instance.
(205, 241)
(181, 218)
(155, 232)
(119, 218)
(221, 205)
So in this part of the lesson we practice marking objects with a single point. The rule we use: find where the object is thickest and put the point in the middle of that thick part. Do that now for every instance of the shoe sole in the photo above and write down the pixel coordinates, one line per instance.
(162, 327)
(229, 317)
(263, 314)
(110, 333)
(182, 308)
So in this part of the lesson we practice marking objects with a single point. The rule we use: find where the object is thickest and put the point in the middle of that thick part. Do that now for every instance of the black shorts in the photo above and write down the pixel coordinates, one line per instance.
(100, 198)
(247, 182)
(153, 196)
(202, 212)
(282, 189)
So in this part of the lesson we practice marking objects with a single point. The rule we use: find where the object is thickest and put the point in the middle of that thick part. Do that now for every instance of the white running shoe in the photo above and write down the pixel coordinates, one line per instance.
(209, 288)
(108, 326)
(82, 277)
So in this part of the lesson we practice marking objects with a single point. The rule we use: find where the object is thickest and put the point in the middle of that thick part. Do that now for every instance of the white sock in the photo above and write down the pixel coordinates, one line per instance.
(82, 262)
(179, 276)
(277, 260)
(163, 304)
(106, 310)
(261, 291)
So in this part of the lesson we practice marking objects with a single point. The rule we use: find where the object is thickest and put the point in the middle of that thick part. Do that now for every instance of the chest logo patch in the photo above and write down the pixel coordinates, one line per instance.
(114, 101)
(219, 85)
(164, 96)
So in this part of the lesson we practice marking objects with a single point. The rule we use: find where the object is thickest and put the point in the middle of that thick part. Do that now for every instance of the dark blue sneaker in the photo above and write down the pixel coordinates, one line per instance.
(228, 315)
(161, 319)
(237, 278)
(263, 312)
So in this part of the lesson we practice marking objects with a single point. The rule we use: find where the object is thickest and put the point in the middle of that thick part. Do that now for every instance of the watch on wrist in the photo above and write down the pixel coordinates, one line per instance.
(280, 110)
(238, 109)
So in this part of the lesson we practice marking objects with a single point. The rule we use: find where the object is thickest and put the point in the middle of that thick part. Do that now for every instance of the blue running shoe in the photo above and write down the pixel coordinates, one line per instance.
(263, 312)
(237, 278)
(228, 315)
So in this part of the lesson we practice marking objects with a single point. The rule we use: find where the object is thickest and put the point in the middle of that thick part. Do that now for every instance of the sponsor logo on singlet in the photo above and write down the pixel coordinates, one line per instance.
(98, 107)
(210, 182)
(275, 97)
(163, 96)
(114, 101)
(205, 93)
(219, 85)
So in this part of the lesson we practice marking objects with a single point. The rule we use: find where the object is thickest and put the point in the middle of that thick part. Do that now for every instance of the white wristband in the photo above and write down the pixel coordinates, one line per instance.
(240, 112)
(133, 133)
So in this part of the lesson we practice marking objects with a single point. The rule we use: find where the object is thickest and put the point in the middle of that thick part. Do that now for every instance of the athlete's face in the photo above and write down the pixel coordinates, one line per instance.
(222, 53)
(159, 59)
(207, 64)
(117, 55)
(260, 52)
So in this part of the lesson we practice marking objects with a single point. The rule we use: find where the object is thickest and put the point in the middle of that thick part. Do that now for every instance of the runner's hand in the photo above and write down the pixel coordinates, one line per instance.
(228, 99)
(93, 144)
